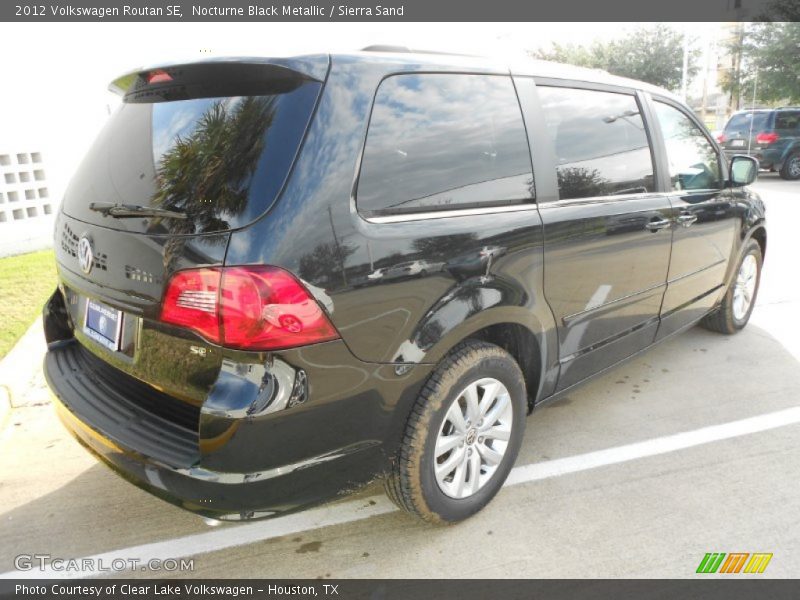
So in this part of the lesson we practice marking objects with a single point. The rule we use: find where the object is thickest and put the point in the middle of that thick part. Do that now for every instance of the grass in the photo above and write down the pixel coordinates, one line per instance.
(26, 282)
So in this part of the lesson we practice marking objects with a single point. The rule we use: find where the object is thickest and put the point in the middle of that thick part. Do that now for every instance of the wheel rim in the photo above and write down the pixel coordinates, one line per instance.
(472, 438)
(745, 287)
(794, 166)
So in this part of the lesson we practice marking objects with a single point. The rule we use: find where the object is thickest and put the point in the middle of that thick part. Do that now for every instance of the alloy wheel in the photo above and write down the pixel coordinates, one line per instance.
(745, 287)
(473, 438)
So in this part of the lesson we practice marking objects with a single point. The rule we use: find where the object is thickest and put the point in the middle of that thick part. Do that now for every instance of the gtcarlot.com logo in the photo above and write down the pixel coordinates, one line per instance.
(735, 562)
(47, 562)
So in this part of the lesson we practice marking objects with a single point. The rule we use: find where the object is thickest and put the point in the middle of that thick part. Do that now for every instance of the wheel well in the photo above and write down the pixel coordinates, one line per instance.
(521, 343)
(760, 235)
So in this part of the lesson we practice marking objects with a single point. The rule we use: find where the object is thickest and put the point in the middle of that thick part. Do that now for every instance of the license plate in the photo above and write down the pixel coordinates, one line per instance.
(737, 143)
(103, 324)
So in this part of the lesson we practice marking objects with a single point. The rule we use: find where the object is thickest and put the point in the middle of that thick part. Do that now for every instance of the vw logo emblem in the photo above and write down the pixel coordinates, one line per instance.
(85, 255)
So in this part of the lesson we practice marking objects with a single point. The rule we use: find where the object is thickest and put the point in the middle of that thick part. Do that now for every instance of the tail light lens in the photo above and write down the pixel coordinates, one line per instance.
(191, 301)
(721, 138)
(158, 76)
(248, 308)
(767, 138)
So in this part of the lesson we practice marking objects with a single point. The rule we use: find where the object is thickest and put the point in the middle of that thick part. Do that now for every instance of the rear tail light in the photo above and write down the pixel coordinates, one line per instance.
(191, 301)
(721, 138)
(248, 308)
(767, 138)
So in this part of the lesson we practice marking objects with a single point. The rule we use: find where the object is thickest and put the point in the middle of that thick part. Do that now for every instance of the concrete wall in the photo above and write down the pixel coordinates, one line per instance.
(26, 206)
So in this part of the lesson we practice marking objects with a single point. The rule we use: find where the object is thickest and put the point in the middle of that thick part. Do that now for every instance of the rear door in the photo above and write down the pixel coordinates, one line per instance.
(787, 130)
(705, 218)
(739, 135)
(193, 152)
(607, 236)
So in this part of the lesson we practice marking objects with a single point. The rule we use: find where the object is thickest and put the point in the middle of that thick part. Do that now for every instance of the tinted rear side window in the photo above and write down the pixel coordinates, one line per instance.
(438, 142)
(787, 120)
(600, 142)
(221, 160)
(742, 123)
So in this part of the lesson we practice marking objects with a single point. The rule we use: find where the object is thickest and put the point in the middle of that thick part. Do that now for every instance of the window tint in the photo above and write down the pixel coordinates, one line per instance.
(600, 142)
(220, 160)
(693, 162)
(741, 123)
(787, 120)
(444, 141)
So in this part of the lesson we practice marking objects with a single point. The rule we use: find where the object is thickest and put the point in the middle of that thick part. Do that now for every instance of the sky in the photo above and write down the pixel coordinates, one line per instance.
(55, 96)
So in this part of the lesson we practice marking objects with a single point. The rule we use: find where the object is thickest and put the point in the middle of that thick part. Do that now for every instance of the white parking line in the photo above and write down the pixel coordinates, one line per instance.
(357, 510)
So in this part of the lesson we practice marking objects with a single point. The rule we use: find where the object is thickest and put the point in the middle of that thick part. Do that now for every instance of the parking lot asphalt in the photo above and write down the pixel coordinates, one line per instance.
(688, 449)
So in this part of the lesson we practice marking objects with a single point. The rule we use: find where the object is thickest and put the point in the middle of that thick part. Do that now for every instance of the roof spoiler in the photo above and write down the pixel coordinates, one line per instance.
(160, 77)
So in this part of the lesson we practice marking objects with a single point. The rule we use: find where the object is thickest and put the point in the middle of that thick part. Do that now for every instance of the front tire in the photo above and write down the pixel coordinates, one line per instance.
(462, 436)
(736, 307)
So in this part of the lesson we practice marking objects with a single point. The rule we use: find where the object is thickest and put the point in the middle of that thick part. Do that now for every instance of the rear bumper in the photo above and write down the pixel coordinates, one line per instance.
(164, 456)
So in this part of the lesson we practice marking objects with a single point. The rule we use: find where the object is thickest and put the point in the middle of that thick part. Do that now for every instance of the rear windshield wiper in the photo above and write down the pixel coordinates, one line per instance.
(132, 211)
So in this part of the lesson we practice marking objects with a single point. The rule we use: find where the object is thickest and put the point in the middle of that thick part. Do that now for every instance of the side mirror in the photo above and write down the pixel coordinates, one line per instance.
(744, 170)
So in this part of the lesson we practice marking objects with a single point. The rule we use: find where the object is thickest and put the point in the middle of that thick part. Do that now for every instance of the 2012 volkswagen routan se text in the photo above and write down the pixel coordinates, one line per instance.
(281, 279)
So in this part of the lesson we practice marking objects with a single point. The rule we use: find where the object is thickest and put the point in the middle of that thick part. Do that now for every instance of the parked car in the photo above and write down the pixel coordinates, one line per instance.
(770, 135)
(406, 269)
(588, 217)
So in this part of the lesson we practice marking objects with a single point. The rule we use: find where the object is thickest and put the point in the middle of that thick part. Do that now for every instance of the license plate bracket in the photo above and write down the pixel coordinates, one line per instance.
(103, 324)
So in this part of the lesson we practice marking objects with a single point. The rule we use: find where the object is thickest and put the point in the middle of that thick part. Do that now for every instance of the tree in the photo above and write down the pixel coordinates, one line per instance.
(768, 52)
(782, 10)
(651, 54)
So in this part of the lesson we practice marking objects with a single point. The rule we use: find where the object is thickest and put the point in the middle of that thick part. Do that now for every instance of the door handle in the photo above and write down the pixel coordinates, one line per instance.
(686, 219)
(657, 224)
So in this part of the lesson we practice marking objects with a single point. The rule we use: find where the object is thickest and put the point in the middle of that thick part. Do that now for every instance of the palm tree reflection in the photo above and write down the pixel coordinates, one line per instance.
(208, 172)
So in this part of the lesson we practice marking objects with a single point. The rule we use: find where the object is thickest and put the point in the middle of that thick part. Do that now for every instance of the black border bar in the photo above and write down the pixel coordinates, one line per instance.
(398, 10)
(732, 588)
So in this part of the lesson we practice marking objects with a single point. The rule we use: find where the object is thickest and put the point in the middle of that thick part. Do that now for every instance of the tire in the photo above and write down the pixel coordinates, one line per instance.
(412, 482)
(728, 318)
(791, 167)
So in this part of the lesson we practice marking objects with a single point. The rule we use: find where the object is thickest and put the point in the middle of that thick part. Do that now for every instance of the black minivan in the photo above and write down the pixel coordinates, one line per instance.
(282, 279)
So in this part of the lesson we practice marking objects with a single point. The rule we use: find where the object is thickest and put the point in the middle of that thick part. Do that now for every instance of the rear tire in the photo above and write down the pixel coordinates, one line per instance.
(731, 316)
(791, 167)
(462, 436)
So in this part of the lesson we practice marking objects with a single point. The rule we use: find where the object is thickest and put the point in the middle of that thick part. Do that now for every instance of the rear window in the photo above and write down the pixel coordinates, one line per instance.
(443, 141)
(741, 122)
(219, 159)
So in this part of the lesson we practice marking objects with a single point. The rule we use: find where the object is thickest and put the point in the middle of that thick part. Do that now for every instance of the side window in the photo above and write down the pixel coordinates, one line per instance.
(437, 142)
(693, 161)
(600, 142)
(787, 120)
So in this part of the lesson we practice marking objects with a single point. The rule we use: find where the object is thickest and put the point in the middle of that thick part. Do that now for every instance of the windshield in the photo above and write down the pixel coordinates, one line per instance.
(220, 160)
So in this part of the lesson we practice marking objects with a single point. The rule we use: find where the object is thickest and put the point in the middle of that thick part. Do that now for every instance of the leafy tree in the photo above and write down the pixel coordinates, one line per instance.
(768, 52)
(651, 54)
(782, 10)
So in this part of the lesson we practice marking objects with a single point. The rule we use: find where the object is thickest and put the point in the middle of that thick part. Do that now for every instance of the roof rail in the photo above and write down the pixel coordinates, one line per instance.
(407, 50)
(386, 48)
